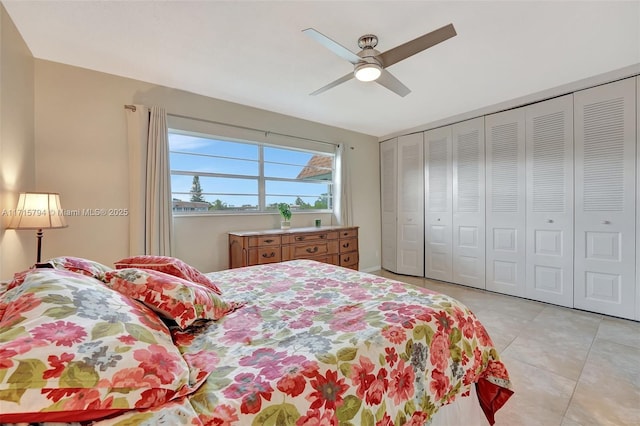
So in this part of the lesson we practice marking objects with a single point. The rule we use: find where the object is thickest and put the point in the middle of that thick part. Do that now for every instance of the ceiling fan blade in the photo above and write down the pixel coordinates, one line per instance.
(333, 46)
(416, 45)
(387, 80)
(333, 84)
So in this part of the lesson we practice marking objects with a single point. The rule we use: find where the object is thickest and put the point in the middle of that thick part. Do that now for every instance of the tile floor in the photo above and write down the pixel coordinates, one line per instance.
(568, 367)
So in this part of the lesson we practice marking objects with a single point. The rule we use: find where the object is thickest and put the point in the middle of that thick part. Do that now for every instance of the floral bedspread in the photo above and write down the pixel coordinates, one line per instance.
(318, 344)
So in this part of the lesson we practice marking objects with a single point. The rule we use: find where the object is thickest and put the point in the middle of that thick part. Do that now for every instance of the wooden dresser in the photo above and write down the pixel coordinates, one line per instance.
(337, 245)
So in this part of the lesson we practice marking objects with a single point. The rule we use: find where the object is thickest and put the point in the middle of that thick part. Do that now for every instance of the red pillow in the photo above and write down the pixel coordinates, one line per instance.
(168, 265)
(172, 297)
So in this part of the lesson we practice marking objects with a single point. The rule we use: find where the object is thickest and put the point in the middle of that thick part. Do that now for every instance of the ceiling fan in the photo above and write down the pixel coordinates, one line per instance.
(370, 65)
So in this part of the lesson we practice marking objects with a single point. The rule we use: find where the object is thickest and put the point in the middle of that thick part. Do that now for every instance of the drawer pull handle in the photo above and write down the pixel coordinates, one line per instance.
(312, 250)
(346, 259)
(344, 234)
(299, 238)
(322, 237)
(345, 245)
(268, 241)
(267, 256)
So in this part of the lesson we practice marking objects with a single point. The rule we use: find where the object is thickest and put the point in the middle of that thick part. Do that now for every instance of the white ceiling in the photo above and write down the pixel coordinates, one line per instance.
(254, 53)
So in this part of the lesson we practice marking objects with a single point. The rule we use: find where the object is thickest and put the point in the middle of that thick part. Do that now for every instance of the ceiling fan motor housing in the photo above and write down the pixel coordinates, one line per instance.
(368, 41)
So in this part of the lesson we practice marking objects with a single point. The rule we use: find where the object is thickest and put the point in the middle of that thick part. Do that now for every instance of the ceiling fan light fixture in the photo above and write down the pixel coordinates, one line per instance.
(367, 71)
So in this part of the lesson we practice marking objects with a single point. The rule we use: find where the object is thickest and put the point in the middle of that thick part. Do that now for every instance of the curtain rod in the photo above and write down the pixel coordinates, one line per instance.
(266, 132)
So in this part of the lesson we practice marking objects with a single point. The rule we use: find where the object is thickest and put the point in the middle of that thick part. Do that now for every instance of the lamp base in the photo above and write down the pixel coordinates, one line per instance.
(43, 266)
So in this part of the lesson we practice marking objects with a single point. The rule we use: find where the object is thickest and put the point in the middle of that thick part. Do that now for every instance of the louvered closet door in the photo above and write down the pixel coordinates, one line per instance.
(438, 204)
(605, 150)
(505, 208)
(388, 197)
(410, 256)
(468, 203)
(638, 199)
(549, 219)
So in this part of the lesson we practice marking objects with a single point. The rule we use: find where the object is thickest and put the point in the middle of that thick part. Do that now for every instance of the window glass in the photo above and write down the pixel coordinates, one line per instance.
(210, 175)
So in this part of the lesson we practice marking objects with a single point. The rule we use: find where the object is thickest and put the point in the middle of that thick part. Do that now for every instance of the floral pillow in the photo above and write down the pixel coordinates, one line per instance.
(168, 265)
(174, 298)
(18, 278)
(73, 350)
(82, 266)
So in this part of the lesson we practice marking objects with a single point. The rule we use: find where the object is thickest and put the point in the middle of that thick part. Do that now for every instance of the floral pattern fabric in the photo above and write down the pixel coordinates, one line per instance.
(72, 349)
(318, 344)
(315, 344)
(168, 265)
(171, 297)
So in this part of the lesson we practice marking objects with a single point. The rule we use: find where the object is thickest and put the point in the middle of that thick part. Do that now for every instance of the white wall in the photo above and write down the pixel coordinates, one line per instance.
(17, 167)
(81, 152)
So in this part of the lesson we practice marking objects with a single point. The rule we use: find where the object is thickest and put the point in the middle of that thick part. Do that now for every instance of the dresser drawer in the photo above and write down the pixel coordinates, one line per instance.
(309, 238)
(348, 245)
(262, 255)
(308, 250)
(349, 260)
(327, 258)
(349, 233)
(265, 240)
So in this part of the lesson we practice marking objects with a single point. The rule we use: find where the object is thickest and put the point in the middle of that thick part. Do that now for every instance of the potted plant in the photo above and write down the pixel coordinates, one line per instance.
(285, 212)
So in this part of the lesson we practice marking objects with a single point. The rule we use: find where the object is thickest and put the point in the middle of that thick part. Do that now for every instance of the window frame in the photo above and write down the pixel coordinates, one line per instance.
(262, 208)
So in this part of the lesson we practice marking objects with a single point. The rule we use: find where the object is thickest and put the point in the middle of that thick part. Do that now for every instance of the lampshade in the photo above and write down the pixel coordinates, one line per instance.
(38, 210)
(367, 71)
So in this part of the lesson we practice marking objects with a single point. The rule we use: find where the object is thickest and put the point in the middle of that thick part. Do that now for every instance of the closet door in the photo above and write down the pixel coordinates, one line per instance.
(438, 204)
(468, 203)
(549, 217)
(505, 209)
(410, 251)
(605, 145)
(638, 198)
(388, 197)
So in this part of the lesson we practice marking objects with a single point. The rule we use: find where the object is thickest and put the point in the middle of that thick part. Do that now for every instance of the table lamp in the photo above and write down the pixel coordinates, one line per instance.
(38, 210)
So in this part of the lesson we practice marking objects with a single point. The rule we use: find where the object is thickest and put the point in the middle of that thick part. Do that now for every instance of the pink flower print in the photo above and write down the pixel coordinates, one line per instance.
(361, 375)
(395, 334)
(439, 351)
(157, 361)
(348, 318)
(62, 333)
(401, 383)
(318, 418)
(439, 384)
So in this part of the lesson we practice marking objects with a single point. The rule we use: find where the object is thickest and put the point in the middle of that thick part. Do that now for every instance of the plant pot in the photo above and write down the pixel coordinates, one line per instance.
(285, 224)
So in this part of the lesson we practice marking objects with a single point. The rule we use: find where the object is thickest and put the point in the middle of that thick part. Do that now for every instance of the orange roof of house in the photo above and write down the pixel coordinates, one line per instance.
(316, 166)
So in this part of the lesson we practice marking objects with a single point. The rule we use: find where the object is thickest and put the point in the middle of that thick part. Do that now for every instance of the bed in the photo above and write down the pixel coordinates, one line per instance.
(154, 341)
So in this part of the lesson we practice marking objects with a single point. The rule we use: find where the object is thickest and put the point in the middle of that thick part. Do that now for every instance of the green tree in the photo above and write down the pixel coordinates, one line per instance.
(322, 203)
(218, 205)
(196, 190)
(301, 204)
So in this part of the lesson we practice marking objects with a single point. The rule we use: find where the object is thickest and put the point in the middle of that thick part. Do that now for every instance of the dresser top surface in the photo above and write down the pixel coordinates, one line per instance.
(290, 231)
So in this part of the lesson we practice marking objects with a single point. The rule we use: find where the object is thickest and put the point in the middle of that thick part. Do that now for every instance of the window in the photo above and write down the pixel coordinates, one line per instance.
(215, 175)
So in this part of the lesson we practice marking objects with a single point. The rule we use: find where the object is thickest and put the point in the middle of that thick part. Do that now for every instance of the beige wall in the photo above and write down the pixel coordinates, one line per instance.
(17, 166)
(81, 152)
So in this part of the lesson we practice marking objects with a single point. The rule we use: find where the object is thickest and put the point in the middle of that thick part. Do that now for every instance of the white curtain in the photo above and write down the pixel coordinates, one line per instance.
(344, 208)
(150, 221)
